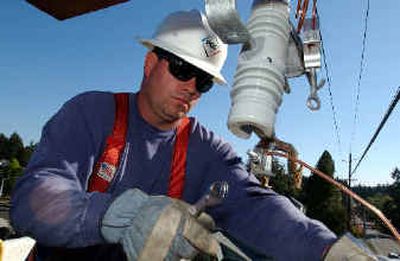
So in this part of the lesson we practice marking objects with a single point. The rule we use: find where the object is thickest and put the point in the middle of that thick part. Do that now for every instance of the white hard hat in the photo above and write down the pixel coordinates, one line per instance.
(188, 35)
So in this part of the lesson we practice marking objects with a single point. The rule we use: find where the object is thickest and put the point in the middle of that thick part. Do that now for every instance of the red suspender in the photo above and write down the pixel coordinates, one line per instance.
(107, 165)
(178, 166)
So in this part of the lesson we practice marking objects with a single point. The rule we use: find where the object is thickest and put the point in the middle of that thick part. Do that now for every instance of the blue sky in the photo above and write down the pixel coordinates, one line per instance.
(44, 62)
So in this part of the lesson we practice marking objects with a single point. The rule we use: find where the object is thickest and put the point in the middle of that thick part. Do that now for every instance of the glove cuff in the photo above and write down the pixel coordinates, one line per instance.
(348, 247)
(121, 213)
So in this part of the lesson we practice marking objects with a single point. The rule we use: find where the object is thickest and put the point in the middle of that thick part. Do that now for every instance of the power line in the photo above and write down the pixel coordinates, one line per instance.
(387, 114)
(328, 79)
(358, 88)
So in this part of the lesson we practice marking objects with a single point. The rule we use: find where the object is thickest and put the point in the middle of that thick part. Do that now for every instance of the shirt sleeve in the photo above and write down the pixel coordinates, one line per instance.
(262, 219)
(50, 202)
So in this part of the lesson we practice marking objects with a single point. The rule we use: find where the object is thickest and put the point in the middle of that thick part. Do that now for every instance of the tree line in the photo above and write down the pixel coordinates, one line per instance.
(324, 202)
(14, 157)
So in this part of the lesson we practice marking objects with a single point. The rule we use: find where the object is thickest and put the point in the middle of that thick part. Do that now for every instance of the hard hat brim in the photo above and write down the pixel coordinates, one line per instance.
(151, 43)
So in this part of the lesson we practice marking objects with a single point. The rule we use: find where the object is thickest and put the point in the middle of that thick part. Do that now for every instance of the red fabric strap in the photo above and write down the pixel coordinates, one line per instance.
(178, 166)
(107, 165)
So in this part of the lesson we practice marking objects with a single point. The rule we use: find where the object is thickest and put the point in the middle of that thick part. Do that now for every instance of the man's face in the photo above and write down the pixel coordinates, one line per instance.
(163, 99)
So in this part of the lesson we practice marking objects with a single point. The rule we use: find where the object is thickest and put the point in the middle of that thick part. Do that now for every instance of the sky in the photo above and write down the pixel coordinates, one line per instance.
(44, 62)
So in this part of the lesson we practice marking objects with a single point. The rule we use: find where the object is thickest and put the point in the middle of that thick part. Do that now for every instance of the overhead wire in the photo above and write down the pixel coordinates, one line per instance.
(360, 74)
(378, 130)
(345, 190)
(328, 79)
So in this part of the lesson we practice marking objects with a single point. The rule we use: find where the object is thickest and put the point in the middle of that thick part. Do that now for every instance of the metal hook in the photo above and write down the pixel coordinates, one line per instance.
(313, 101)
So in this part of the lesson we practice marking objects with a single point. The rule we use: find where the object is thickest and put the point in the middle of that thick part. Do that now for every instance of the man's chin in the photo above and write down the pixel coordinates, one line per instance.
(182, 112)
(176, 117)
(178, 114)
(181, 115)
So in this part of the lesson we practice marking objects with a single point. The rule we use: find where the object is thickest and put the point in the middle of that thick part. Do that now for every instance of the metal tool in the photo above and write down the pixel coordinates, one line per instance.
(215, 195)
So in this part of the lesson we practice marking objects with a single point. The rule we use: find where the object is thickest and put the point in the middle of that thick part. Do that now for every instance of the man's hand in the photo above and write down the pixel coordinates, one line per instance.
(156, 228)
(349, 248)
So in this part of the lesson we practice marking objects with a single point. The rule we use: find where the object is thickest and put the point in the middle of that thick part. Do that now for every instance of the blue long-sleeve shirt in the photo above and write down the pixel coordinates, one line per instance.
(51, 204)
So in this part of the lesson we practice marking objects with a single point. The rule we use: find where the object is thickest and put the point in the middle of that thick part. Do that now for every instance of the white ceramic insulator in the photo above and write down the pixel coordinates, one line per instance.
(259, 79)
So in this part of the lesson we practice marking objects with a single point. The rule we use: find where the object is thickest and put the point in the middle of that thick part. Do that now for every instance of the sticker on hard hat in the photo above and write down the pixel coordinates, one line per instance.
(211, 45)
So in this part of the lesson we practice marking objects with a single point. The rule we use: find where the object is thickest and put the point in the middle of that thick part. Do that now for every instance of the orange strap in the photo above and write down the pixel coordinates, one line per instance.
(108, 163)
(178, 166)
(106, 167)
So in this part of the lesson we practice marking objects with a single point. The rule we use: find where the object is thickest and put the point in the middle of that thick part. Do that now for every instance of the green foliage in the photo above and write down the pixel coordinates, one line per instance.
(323, 200)
(13, 150)
(385, 203)
(26, 154)
(10, 175)
(4, 154)
(396, 175)
(392, 209)
(16, 146)
(13, 147)
(379, 200)
(384, 197)
(282, 182)
(367, 191)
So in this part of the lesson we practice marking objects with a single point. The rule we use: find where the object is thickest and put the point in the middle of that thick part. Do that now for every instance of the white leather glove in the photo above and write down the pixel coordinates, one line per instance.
(156, 228)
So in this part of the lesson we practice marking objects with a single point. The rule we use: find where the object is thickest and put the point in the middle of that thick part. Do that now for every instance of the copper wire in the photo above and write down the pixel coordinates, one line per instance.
(347, 191)
(302, 15)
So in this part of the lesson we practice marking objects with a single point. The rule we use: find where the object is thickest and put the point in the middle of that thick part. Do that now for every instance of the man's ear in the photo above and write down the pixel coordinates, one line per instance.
(149, 63)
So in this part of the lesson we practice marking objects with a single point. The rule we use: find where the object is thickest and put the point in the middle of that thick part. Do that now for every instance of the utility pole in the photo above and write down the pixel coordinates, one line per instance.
(348, 197)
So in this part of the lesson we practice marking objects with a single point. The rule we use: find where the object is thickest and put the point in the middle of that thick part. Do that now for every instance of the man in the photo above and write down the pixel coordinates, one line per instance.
(54, 203)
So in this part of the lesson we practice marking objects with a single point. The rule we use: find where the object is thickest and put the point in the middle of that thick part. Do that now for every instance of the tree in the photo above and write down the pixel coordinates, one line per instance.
(9, 175)
(16, 146)
(392, 209)
(12, 149)
(282, 182)
(323, 200)
(26, 154)
(3, 146)
(395, 175)
(385, 203)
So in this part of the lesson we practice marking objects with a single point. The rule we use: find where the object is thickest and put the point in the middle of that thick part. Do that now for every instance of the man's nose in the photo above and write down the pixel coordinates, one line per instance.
(190, 87)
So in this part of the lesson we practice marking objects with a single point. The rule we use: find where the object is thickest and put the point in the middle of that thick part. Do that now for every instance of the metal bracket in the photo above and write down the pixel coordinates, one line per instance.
(225, 21)
(312, 60)
(260, 163)
(294, 62)
(312, 42)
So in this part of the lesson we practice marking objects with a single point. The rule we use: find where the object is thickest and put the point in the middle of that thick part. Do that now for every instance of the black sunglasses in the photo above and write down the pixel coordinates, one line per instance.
(184, 71)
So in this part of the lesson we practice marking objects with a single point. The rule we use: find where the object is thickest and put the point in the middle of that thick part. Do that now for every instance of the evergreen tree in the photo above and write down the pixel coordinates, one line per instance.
(26, 154)
(282, 181)
(9, 175)
(16, 147)
(13, 147)
(395, 175)
(3, 146)
(392, 209)
(383, 202)
(12, 150)
(323, 200)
